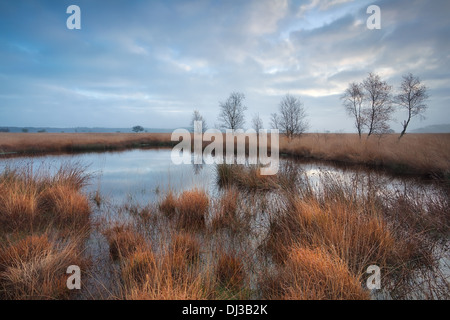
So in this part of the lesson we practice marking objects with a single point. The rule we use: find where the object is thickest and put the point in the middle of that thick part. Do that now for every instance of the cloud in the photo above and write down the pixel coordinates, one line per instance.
(153, 62)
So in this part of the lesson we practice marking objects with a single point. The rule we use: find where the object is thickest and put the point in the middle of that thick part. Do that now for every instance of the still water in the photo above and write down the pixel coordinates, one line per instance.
(142, 175)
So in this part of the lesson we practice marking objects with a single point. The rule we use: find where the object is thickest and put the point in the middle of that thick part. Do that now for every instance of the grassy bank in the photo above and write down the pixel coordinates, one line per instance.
(40, 143)
(423, 154)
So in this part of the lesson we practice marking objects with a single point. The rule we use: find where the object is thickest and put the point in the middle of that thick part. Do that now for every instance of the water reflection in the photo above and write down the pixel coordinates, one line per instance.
(141, 175)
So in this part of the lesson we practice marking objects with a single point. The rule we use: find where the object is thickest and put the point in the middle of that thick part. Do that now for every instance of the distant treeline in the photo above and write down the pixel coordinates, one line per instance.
(80, 130)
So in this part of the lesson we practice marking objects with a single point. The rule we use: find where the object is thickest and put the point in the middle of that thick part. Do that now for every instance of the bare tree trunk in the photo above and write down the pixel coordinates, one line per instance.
(405, 125)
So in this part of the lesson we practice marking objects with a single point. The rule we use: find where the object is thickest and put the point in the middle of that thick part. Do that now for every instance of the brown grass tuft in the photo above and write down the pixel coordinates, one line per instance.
(169, 205)
(35, 268)
(313, 274)
(193, 206)
(227, 213)
(139, 268)
(358, 238)
(123, 241)
(230, 271)
(66, 205)
(186, 246)
(32, 201)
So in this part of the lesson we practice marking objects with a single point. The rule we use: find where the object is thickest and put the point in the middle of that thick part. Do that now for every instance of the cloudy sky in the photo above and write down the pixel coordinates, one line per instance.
(153, 62)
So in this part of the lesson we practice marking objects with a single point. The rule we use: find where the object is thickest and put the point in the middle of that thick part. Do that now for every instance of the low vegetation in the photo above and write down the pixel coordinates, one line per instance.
(423, 154)
(295, 240)
(41, 143)
(44, 220)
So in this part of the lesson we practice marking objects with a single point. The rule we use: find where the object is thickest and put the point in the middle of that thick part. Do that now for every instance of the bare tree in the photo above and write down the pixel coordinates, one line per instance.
(378, 97)
(353, 99)
(412, 97)
(274, 121)
(257, 123)
(292, 116)
(196, 116)
(232, 112)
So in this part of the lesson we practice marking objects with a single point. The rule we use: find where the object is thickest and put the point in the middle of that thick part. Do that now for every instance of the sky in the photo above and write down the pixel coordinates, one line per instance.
(151, 63)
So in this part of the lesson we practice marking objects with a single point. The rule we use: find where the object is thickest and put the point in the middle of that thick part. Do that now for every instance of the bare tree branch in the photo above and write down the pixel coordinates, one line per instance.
(378, 97)
(353, 99)
(412, 97)
(257, 123)
(232, 112)
(196, 116)
(292, 117)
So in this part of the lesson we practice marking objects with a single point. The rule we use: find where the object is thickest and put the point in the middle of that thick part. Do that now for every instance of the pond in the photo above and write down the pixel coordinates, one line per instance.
(140, 177)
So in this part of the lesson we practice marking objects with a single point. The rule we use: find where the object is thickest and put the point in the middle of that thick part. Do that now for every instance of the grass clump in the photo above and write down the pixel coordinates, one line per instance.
(123, 241)
(189, 209)
(169, 204)
(33, 201)
(140, 267)
(185, 247)
(245, 177)
(193, 206)
(227, 213)
(35, 268)
(230, 272)
(313, 274)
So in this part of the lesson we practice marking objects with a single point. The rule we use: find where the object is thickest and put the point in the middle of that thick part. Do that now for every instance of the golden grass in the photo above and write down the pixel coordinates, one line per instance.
(169, 204)
(75, 142)
(189, 209)
(171, 275)
(245, 177)
(185, 248)
(140, 267)
(68, 207)
(341, 227)
(317, 244)
(227, 213)
(164, 287)
(123, 241)
(313, 274)
(230, 271)
(31, 201)
(35, 268)
(193, 206)
(414, 153)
